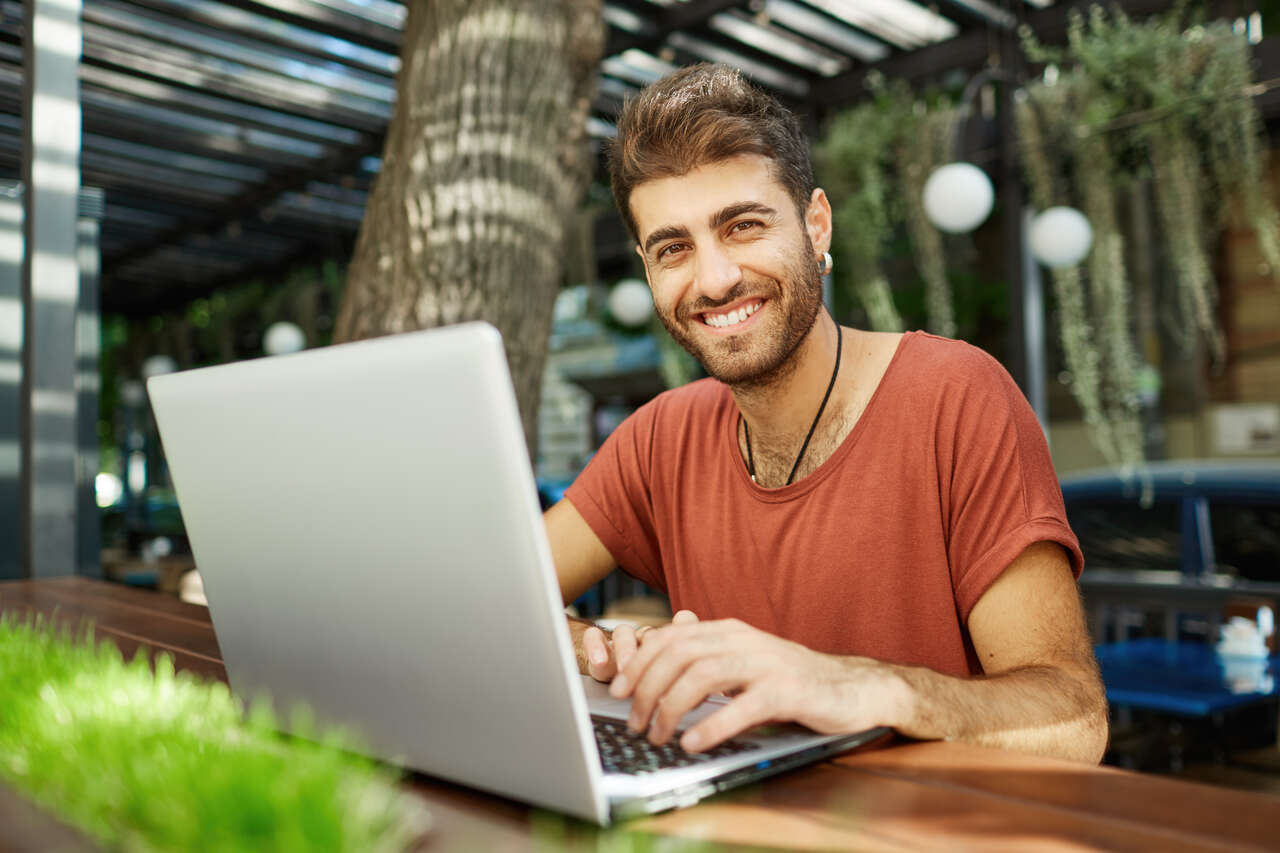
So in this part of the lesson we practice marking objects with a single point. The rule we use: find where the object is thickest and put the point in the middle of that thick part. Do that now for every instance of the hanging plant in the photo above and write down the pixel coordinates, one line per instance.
(1177, 101)
(874, 160)
(1039, 122)
(928, 146)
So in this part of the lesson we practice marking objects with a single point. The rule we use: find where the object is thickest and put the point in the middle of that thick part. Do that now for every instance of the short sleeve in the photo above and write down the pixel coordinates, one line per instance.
(613, 496)
(1002, 494)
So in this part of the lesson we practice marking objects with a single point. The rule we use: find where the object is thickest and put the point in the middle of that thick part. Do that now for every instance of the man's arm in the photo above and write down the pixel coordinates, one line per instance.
(580, 557)
(1040, 692)
(582, 561)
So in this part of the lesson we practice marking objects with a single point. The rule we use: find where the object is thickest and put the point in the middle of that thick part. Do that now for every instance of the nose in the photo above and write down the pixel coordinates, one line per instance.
(716, 273)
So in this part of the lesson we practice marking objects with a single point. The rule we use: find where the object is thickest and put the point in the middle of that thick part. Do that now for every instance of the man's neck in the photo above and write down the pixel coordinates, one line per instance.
(780, 412)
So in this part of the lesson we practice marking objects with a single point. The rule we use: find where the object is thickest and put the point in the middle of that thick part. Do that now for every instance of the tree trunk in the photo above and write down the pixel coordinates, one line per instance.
(485, 159)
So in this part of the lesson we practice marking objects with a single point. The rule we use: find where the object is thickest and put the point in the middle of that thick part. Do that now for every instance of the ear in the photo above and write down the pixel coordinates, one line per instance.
(817, 221)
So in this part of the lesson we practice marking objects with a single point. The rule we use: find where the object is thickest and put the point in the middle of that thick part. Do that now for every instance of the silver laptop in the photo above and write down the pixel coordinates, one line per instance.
(366, 523)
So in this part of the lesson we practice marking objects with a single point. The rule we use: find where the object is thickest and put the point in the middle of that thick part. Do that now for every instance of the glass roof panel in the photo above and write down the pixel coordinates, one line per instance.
(822, 28)
(266, 57)
(150, 90)
(766, 74)
(625, 19)
(208, 71)
(230, 19)
(899, 22)
(600, 129)
(219, 135)
(989, 11)
(636, 66)
(780, 43)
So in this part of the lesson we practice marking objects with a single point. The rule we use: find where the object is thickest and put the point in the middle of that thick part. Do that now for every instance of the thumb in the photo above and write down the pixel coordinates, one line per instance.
(600, 661)
(684, 617)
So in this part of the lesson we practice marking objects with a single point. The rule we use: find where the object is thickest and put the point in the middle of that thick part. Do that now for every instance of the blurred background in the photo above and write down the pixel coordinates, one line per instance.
(1088, 195)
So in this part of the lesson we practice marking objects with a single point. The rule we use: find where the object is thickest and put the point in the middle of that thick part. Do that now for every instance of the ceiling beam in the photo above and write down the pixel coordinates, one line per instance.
(249, 204)
(172, 299)
(676, 18)
(325, 19)
(971, 49)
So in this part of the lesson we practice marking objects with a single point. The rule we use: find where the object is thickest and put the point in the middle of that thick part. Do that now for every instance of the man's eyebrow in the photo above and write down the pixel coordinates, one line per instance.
(735, 210)
(719, 218)
(666, 233)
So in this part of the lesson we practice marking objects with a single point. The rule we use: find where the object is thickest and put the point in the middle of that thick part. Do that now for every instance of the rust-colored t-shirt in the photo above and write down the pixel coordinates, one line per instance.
(883, 551)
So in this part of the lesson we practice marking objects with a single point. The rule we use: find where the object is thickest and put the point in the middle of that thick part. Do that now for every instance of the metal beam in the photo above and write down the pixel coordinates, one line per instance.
(175, 299)
(353, 24)
(11, 253)
(247, 204)
(693, 14)
(676, 18)
(972, 49)
(50, 287)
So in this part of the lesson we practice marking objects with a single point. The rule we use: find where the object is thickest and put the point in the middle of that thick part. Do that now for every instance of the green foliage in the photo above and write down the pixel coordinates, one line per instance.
(1167, 102)
(873, 161)
(163, 761)
(1157, 102)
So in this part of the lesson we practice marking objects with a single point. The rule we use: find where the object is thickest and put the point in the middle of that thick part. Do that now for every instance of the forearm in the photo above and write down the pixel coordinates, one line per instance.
(1046, 710)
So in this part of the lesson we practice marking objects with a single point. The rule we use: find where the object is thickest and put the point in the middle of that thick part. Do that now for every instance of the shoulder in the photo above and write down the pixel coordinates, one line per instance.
(946, 370)
(945, 358)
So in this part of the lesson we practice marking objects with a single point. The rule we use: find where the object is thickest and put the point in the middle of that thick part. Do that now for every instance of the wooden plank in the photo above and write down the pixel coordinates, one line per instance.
(132, 619)
(844, 806)
(1151, 806)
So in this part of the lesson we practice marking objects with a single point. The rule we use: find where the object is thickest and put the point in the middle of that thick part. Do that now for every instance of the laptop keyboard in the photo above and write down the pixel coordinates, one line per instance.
(624, 752)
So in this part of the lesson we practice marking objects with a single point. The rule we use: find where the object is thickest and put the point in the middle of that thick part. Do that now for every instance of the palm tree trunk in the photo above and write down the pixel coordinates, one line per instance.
(485, 160)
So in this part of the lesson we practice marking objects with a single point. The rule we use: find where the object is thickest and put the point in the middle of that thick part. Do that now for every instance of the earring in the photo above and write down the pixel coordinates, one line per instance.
(827, 263)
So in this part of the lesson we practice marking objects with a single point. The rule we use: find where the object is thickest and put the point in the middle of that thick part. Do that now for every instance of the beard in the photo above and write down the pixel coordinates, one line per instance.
(794, 300)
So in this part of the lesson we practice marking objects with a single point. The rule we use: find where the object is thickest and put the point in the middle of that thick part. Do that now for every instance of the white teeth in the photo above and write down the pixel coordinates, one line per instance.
(732, 318)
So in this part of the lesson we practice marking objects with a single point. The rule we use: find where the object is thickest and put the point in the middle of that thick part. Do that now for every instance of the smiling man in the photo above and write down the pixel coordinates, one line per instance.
(858, 529)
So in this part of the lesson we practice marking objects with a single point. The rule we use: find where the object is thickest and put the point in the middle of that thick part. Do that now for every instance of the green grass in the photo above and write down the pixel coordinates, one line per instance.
(162, 761)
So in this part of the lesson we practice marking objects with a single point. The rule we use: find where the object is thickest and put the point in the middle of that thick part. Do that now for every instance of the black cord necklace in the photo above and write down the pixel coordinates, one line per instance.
(746, 433)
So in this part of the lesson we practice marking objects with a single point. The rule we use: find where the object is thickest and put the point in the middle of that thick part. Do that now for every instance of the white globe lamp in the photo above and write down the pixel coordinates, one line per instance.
(1060, 237)
(158, 365)
(133, 392)
(958, 197)
(631, 302)
(282, 338)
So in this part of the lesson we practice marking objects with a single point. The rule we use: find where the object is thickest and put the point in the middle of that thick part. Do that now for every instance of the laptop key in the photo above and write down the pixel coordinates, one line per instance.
(621, 751)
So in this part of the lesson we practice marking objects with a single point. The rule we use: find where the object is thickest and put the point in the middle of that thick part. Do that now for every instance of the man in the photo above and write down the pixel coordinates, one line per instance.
(867, 526)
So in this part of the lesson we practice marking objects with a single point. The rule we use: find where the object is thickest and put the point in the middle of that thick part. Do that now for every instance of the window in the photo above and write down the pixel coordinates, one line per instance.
(1122, 534)
(1246, 540)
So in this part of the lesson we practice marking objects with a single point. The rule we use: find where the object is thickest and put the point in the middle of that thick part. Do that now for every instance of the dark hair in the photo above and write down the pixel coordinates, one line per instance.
(698, 115)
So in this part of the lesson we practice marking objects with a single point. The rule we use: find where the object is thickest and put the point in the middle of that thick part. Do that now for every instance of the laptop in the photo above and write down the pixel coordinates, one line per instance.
(367, 527)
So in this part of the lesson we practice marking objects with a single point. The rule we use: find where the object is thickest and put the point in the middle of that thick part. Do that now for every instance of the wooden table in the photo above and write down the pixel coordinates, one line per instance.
(903, 797)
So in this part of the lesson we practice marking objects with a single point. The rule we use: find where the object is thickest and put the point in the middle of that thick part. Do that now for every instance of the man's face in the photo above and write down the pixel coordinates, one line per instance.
(732, 266)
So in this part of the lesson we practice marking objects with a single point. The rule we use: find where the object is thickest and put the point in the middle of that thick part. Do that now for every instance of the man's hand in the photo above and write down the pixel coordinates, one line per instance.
(606, 655)
(771, 679)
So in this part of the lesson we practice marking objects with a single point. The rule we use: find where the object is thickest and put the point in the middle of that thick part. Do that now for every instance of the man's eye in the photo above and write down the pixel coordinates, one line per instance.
(666, 252)
(745, 225)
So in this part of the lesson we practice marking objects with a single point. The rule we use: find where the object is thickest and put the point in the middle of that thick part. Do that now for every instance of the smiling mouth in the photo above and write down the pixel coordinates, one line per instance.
(729, 319)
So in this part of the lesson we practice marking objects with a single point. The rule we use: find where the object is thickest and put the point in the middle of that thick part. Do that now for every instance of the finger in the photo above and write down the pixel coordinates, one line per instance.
(600, 662)
(684, 617)
(658, 664)
(624, 645)
(698, 681)
(748, 710)
(632, 667)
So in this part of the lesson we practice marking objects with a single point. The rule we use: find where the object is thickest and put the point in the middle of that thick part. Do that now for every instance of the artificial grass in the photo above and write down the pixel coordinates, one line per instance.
(162, 761)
